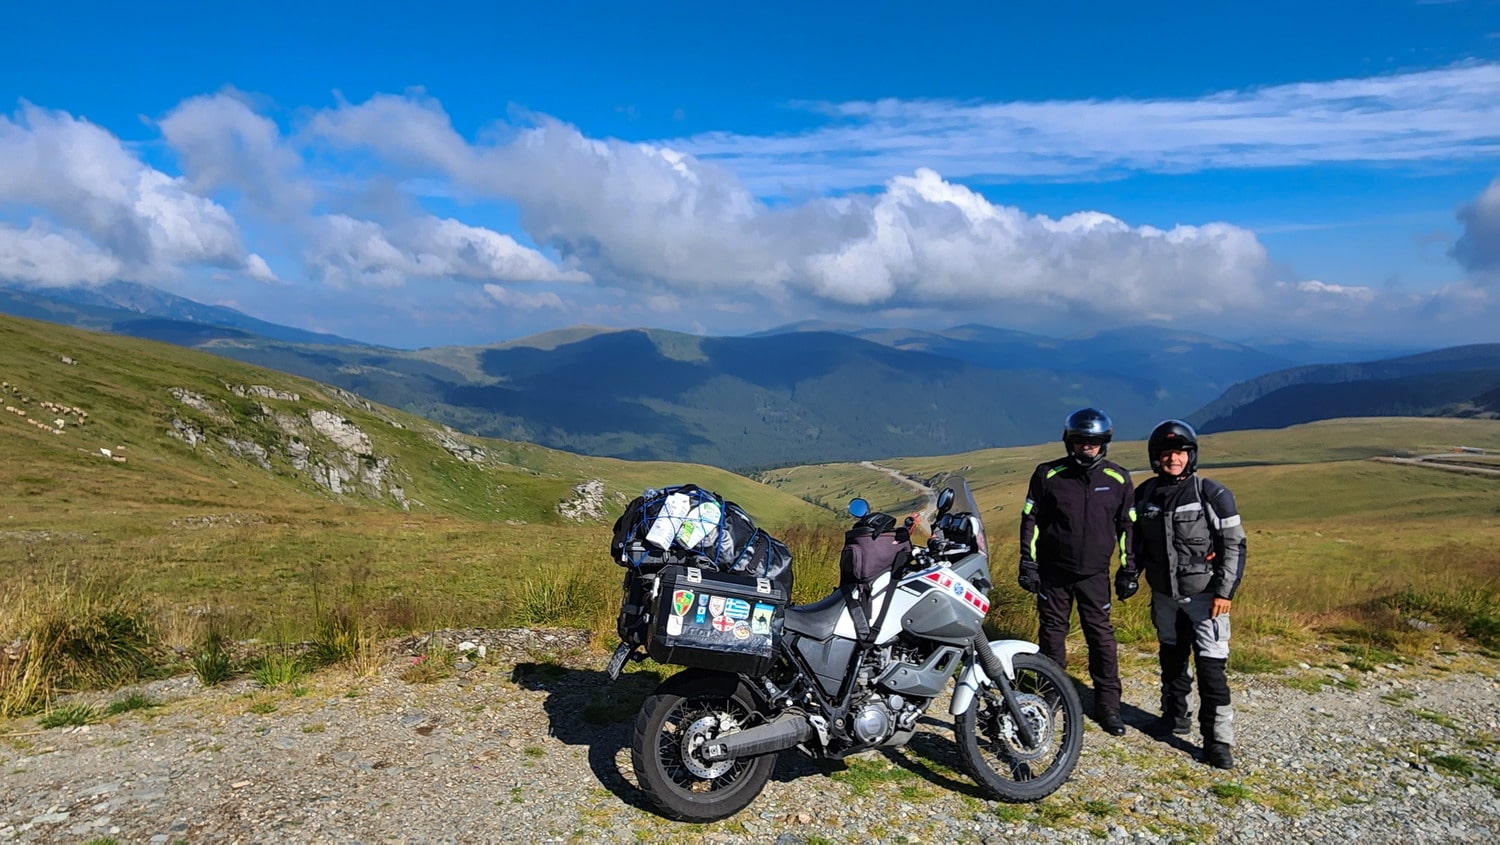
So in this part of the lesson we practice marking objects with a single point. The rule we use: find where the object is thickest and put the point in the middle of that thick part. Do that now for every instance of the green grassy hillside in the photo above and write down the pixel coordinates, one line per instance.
(149, 488)
(205, 485)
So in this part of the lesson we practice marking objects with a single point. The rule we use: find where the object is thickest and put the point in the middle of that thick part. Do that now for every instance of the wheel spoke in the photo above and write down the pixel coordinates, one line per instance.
(688, 713)
(990, 736)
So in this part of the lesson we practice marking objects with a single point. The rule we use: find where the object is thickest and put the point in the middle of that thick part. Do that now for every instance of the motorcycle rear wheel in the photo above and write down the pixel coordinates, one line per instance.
(991, 745)
(685, 711)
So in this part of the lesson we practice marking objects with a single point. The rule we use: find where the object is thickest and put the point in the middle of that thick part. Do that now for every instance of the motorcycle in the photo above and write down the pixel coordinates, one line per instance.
(853, 672)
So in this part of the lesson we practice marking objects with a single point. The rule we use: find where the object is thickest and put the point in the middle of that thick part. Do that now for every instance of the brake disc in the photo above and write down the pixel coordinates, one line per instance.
(695, 736)
(1038, 717)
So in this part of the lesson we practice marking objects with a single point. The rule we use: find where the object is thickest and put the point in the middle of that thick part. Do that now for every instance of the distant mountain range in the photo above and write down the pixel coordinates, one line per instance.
(1461, 381)
(1122, 350)
(142, 311)
(805, 393)
(732, 402)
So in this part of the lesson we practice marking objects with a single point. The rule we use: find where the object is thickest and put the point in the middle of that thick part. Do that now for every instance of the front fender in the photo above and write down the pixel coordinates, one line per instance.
(973, 676)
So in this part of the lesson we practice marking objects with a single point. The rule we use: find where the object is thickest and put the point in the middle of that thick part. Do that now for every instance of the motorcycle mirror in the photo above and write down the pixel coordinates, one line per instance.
(858, 507)
(944, 501)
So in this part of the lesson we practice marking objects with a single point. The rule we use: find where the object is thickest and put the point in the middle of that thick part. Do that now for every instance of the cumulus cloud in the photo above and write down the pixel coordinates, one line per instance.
(1478, 249)
(929, 241)
(631, 213)
(51, 259)
(361, 252)
(257, 269)
(652, 218)
(343, 195)
(90, 195)
(1348, 292)
(223, 143)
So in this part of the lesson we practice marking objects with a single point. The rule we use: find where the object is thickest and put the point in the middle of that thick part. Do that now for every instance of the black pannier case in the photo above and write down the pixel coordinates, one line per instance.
(635, 607)
(715, 620)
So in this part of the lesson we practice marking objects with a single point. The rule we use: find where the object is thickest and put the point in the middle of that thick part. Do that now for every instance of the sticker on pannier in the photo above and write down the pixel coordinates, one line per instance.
(715, 620)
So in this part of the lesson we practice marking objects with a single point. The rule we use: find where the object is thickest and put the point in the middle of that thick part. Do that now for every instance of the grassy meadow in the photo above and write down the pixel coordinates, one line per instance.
(126, 551)
(1341, 548)
(113, 529)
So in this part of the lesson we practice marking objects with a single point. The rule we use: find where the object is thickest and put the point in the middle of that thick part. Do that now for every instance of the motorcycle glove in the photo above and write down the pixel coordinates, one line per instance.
(1030, 578)
(1127, 582)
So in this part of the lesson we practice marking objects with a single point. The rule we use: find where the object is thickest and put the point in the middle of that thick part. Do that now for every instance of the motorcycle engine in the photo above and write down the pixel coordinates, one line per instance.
(880, 714)
(872, 722)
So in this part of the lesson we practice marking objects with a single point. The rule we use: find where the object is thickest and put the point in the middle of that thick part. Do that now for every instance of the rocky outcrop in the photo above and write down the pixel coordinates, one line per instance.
(466, 452)
(327, 448)
(589, 505)
(263, 392)
(196, 402)
(345, 434)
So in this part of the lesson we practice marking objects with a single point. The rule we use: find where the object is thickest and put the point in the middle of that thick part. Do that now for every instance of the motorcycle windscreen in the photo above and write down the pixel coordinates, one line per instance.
(963, 502)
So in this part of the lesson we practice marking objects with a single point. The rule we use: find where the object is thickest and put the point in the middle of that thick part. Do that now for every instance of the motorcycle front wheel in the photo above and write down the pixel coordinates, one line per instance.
(684, 713)
(992, 746)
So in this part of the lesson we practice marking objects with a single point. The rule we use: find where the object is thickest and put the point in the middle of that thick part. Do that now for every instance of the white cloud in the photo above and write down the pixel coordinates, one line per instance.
(636, 214)
(1436, 115)
(935, 243)
(225, 144)
(51, 259)
(523, 301)
(412, 130)
(361, 252)
(1353, 292)
(257, 269)
(222, 143)
(1478, 249)
(88, 191)
(651, 218)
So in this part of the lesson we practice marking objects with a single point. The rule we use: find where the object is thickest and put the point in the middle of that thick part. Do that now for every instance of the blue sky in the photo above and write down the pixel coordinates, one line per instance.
(469, 173)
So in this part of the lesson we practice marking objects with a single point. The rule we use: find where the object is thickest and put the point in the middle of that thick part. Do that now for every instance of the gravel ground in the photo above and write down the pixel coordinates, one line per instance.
(531, 745)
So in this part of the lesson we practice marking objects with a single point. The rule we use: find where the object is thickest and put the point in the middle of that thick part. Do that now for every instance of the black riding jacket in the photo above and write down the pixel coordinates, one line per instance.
(1075, 519)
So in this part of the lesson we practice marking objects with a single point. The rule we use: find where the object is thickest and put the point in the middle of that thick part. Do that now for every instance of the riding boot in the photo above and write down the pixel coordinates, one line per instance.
(1216, 717)
(1176, 684)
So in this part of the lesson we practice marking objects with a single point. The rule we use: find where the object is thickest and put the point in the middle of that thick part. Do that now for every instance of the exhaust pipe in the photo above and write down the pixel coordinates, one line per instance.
(786, 731)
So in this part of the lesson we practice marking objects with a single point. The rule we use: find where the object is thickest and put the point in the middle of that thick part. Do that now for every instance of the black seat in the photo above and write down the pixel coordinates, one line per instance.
(816, 620)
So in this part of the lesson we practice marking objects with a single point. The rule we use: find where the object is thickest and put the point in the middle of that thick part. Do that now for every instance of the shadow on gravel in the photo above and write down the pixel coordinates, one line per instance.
(1145, 721)
(1139, 719)
(1178, 743)
(927, 751)
(584, 708)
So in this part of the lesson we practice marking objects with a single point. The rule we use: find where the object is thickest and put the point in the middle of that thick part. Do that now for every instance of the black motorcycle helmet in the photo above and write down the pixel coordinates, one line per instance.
(1088, 424)
(1170, 436)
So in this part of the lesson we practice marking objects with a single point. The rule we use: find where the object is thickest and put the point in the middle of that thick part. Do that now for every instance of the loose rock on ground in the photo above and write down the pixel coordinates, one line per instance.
(529, 743)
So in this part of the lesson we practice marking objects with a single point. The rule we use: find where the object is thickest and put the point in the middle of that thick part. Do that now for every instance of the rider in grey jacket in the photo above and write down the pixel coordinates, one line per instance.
(1190, 541)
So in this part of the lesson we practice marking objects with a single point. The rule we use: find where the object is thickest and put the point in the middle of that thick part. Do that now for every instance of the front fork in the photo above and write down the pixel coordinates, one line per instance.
(992, 665)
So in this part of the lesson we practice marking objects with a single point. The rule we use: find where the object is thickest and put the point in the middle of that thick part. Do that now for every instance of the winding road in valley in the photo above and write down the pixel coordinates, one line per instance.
(927, 493)
(1441, 461)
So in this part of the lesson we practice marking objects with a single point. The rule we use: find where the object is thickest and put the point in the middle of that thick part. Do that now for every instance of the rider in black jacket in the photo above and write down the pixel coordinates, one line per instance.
(1078, 513)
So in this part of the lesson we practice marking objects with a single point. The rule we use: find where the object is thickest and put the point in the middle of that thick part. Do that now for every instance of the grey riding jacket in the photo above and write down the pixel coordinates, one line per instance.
(1188, 537)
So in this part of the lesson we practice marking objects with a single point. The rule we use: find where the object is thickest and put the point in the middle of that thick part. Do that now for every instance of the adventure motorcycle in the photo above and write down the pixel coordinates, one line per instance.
(852, 672)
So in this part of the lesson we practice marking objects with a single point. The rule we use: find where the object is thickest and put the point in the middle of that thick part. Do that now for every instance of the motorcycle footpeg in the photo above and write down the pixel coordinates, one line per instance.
(617, 660)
